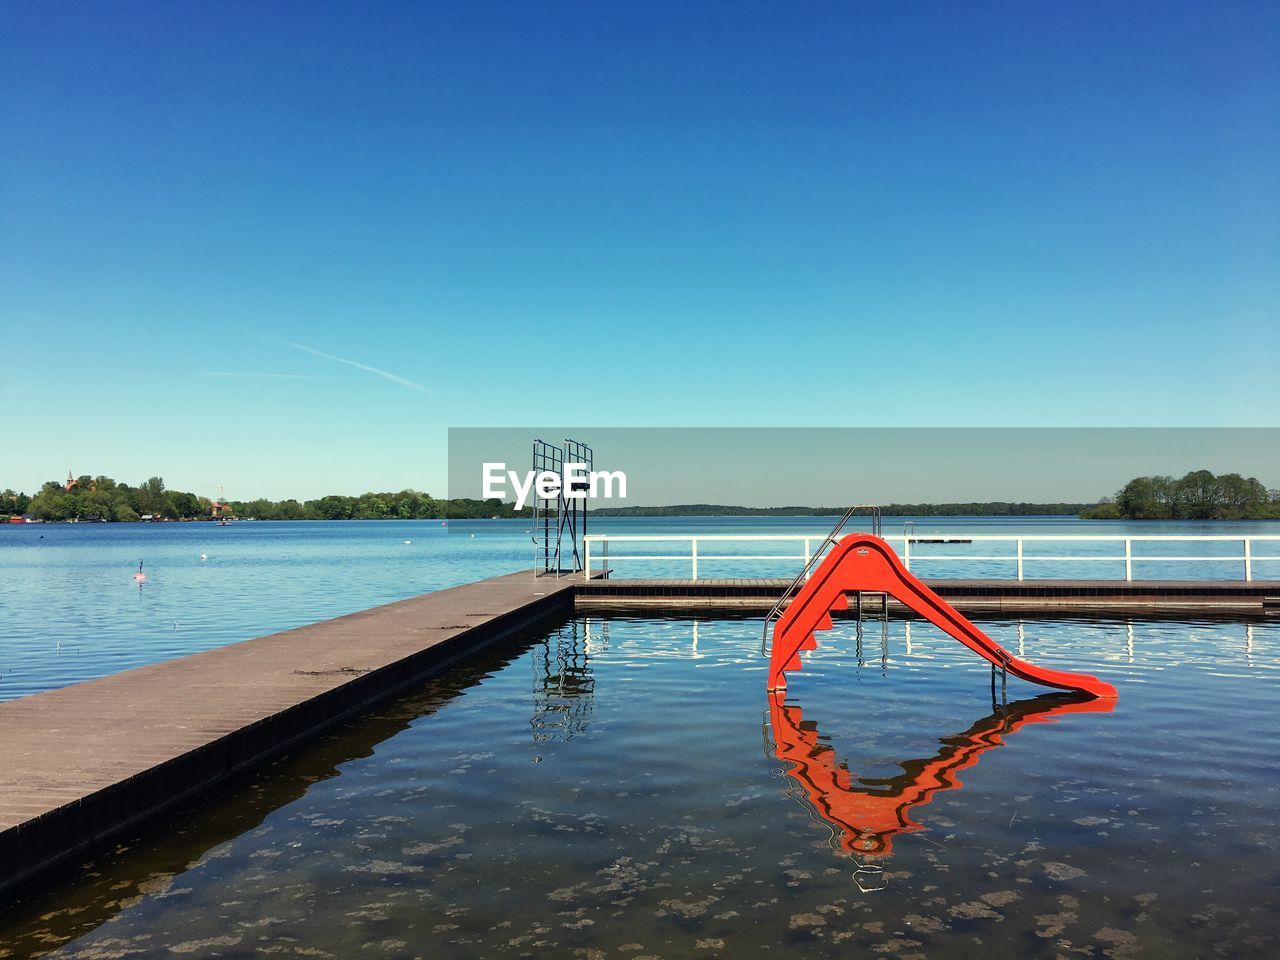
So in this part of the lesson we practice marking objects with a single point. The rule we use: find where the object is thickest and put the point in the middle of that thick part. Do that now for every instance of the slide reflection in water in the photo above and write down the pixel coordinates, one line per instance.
(867, 813)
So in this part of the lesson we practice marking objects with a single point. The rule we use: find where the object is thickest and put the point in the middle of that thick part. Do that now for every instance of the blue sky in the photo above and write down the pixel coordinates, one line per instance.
(284, 247)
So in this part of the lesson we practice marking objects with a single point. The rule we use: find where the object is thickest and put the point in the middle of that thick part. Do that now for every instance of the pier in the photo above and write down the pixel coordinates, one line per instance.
(1144, 598)
(87, 762)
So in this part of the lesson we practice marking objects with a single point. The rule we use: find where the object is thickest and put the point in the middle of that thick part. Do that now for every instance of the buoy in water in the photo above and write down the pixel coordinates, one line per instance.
(408, 541)
(139, 576)
(204, 556)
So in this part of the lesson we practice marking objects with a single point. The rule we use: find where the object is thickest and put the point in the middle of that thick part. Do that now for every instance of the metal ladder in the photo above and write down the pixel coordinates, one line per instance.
(882, 616)
(547, 520)
(558, 515)
(877, 529)
(573, 510)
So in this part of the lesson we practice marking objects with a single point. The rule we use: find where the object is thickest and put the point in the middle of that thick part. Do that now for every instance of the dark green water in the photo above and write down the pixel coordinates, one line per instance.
(614, 790)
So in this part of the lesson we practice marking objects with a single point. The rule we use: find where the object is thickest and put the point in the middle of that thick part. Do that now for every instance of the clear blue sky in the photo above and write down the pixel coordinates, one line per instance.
(646, 214)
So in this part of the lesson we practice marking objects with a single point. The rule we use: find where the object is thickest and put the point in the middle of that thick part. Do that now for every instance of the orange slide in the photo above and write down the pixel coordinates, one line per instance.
(865, 563)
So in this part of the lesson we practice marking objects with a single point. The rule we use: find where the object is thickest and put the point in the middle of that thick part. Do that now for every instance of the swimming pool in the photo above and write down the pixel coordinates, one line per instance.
(620, 788)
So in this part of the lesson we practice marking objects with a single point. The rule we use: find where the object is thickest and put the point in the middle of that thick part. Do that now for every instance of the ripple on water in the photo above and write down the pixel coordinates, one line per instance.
(615, 788)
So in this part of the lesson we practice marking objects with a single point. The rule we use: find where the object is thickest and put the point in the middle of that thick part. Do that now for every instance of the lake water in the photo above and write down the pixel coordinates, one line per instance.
(621, 788)
(70, 610)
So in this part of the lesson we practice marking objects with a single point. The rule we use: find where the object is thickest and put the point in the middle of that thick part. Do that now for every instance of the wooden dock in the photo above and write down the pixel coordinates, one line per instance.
(1045, 597)
(84, 762)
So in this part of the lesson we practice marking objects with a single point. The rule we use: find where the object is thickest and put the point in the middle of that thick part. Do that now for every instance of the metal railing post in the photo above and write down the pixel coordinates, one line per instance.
(1248, 560)
(806, 556)
(586, 554)
(1128, 559)
(694, 556)
(1019, 558)
(906, 551)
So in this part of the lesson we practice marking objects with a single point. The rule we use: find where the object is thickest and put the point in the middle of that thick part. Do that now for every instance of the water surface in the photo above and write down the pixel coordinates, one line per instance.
(615, 789)
(70, 610)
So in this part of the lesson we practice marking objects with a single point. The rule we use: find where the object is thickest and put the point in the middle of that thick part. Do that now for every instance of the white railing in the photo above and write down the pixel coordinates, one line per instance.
(597, 548)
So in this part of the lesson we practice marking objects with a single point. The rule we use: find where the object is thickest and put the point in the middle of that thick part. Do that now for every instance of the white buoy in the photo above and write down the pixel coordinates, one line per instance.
(408, 541)
(204, 556)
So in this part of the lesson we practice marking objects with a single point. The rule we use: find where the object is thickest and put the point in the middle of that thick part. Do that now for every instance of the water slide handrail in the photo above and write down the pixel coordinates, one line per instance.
(810, 562)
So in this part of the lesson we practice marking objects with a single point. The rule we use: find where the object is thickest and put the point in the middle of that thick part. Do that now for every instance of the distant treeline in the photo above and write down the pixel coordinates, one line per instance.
(1200, 495)
(405, 505)
(1197, 496)
(998, 508)
(103, 499)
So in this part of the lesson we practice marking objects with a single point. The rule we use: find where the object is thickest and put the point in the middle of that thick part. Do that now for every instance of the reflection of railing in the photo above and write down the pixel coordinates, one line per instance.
(598, 546)
(867, 813)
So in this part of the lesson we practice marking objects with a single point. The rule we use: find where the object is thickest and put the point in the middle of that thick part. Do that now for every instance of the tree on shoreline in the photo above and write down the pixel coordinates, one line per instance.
(13, 503)
(1199, 495)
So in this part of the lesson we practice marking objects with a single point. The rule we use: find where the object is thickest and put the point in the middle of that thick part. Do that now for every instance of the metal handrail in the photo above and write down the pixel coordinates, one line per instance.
(1248, 558)
(829, 541)
(967, 537)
